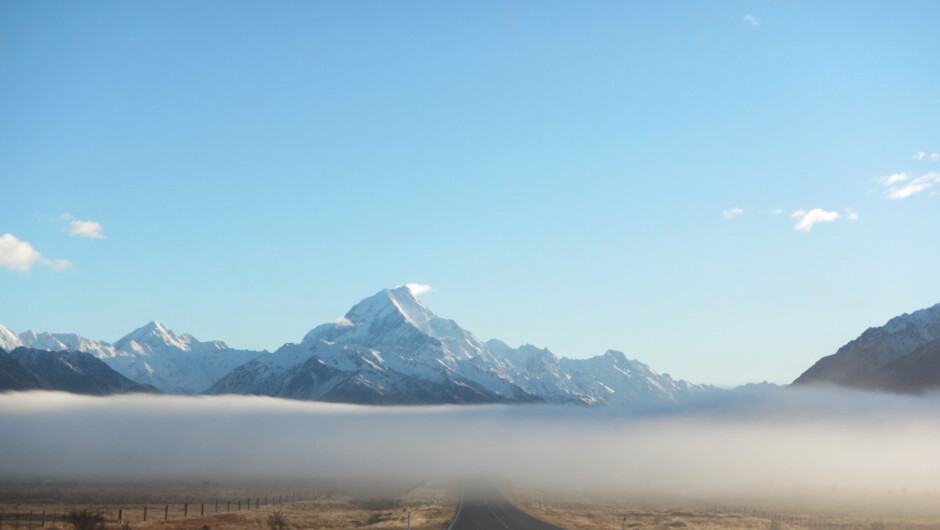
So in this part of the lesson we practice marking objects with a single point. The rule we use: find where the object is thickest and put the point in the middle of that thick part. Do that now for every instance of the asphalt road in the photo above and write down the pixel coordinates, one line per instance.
(484, 508)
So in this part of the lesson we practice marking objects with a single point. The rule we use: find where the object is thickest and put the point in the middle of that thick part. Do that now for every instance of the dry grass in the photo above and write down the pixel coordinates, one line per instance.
(582, 511)
(431, 507)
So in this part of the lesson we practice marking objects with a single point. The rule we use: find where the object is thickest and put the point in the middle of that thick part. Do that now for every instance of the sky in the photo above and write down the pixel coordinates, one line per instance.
(726, 191)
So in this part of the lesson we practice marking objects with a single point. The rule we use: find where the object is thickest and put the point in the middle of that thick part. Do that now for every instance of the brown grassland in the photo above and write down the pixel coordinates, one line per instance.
(431, 506)
(592, 511)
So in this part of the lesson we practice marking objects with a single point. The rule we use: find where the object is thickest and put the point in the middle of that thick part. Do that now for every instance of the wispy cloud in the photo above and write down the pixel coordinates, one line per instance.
(18, 255)
(893, 179)
(752, 20)
(732, 213)
(806, 220)
(922, 155)
(89, 229)
(851, 214)
(776, 211)
(912, 186)
(417, 289)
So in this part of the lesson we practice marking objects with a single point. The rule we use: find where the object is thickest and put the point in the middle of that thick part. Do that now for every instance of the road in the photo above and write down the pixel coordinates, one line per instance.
(484, 508)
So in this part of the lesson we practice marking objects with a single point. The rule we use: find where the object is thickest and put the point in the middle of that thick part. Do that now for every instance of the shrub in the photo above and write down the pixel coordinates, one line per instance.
(277, 521)
(85, 520)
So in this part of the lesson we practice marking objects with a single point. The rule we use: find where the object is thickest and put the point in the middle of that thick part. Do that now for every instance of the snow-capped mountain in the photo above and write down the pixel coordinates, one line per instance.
(181, 364)
(901, 355)
(151, 355)
(390, 348)
(609, 379)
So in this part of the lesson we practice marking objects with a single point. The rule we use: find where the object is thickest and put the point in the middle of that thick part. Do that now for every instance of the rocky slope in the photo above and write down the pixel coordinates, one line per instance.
(900, 356)
(76, 372)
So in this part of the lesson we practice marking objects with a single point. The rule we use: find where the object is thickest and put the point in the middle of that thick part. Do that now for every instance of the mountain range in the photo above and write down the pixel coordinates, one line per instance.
(388, 349)
(391, 349)
(151, 355)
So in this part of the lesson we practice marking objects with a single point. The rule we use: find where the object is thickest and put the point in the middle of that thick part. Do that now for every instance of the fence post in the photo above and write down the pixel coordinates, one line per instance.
(145, 514)
(120, 515)
(239, 505)
(166, 512)
(202, 509)
(185, 510)
(216, 506)
(44, 518)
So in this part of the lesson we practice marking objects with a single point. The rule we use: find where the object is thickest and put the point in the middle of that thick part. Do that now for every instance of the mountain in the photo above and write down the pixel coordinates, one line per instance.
(390, 348)
(900, 356)
(76, 372)
(915, 372)
(15, 376)
(151, 354)
(609, 379)
(180, 364)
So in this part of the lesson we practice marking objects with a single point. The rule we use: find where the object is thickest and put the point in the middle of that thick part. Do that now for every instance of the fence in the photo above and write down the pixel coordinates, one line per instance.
(150, 512)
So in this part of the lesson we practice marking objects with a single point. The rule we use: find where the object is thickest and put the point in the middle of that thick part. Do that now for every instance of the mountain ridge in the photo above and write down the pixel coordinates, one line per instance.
(878, 359)
(391, 339)
(70, 371)
(388, 348)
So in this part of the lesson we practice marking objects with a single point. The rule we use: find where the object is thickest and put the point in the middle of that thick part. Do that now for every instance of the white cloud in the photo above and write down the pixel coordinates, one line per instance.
(733, 212)
(893, 179)
(919, 155)
(776, 211)
(20, 256)
(417, 289)
(935, 156)
(917, 185)
(57, 264)
(806, 220)
(89, 229)
(752, 20)
(851, 214)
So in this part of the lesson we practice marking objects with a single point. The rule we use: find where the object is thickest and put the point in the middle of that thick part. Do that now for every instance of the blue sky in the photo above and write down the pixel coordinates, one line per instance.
(578, 175)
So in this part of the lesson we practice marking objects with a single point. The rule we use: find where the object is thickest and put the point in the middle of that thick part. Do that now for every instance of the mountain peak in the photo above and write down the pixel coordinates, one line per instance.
(153, 333)
(401, 300)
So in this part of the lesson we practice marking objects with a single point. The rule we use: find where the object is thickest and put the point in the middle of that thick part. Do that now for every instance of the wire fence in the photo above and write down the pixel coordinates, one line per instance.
(137, 513)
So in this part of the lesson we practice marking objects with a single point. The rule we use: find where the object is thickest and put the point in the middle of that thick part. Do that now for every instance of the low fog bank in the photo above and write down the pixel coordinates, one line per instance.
(758, 443)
